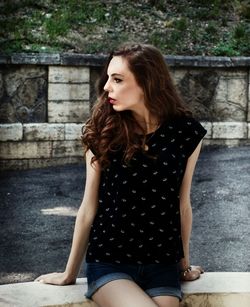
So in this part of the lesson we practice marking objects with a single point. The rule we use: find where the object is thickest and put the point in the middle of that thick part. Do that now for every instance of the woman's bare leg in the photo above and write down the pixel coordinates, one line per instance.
(122, 293)
(166, 301)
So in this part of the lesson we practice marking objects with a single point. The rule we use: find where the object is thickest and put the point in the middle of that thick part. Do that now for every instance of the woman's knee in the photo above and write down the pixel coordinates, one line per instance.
(166, 301)
(122, 293)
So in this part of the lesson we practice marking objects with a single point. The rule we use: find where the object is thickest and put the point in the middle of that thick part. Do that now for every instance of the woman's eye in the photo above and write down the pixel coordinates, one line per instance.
(117, 80)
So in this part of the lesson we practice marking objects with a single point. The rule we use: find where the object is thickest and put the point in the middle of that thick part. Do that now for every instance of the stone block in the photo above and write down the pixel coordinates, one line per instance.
(73, 131)
(228, 111)
(208, 127)
(64, 74)
(35, 58)
(230, 101)
(225, 142)
(229, 130)
(25, 150)
(1, 85)
(61, 91)
(197, 87)
(67, 149)
(178, 74)
(66, 111)
(83, 59)
(22, 164)
(237, 89)
(43, 132)
(25, 94)
(248, 98)
(5, 59)
(11, 132)
(221, 90)
(234, 73)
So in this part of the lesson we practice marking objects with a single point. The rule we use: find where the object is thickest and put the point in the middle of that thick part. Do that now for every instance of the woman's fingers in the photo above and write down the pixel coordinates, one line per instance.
(192, 274)
(52, 278)
(198, 268)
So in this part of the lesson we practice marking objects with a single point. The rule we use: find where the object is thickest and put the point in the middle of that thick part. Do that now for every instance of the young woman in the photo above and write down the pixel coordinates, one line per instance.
(135, 219)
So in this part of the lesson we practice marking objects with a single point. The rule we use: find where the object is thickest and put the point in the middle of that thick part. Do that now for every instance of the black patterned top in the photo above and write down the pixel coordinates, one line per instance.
(138, 218)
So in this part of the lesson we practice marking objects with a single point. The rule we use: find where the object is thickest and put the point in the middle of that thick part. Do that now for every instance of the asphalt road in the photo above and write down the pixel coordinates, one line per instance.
(38, 209)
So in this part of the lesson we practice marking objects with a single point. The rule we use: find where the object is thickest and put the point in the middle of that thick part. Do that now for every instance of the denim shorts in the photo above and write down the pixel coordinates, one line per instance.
(154, 279)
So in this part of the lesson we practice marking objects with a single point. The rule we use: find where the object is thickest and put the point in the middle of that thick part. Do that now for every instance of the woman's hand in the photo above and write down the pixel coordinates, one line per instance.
(59, 279)
(191, 273)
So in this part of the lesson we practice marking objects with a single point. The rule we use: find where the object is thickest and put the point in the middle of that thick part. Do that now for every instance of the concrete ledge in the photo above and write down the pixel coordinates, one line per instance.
(212, 289)
(43, 143)
(59, 128)
(11, 132)
(229, 130)
(99, 60)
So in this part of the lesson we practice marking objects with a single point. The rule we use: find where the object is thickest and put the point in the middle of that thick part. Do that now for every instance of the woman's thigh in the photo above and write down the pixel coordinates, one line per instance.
(122, 293)
(166, 301)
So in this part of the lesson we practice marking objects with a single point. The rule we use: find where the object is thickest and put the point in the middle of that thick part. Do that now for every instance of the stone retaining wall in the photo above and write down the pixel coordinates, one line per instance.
(45, 100)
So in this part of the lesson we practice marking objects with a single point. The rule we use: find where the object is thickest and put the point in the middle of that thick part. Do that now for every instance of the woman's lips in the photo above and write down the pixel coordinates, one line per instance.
(112, 101)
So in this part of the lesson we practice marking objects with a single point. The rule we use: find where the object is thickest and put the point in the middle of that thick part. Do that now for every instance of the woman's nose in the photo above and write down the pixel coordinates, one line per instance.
(107, 87)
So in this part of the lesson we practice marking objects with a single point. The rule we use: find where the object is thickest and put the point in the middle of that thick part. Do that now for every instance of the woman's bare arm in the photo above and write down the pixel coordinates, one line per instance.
(186, 212)
(84, 219)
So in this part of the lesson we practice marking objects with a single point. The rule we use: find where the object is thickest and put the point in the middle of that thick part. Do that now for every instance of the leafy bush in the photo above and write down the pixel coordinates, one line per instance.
(193, 27)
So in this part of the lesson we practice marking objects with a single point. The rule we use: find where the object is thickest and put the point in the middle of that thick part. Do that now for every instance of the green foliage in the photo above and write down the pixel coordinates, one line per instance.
(236, 43)
(224, 49)
(244, 8)
(158, 4)
(181, 24)
(212, 28)
(193, 27)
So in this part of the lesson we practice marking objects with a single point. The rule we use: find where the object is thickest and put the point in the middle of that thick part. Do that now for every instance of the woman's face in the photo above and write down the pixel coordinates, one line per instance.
(123, 91)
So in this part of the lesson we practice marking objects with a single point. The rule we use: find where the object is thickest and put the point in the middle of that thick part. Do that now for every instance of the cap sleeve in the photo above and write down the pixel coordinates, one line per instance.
(193, 133)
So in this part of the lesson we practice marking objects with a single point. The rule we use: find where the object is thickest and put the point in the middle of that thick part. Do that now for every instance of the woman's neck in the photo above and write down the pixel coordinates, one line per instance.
(148, 123)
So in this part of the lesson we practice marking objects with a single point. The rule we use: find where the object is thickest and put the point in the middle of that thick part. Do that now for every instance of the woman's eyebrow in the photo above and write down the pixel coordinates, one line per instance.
(116, 75)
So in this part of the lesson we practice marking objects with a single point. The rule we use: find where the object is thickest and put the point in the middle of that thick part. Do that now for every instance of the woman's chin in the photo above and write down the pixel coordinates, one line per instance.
(117, 108)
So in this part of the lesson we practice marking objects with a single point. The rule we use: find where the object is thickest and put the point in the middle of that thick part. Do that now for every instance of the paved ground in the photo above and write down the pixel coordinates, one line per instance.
(38, 207)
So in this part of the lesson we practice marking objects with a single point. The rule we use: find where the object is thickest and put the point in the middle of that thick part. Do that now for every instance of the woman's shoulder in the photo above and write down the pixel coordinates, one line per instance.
(181, 121)
(187, 131)
(184, 126)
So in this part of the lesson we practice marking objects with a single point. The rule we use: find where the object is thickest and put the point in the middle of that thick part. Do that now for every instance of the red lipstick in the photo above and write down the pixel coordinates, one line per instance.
(111, 100)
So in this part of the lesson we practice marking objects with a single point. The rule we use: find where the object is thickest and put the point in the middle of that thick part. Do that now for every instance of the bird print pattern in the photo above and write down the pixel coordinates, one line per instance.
(138, 217)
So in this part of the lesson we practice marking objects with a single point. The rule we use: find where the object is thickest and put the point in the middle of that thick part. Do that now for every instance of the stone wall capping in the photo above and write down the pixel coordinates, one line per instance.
(77, 59)
(5, 59)
(83, 59)
(36, 58)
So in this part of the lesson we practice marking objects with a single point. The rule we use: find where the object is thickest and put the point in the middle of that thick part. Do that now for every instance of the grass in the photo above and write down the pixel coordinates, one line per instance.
(187, 27)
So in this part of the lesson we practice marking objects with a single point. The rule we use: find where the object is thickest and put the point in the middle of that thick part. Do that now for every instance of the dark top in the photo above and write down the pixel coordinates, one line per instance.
(138, 218)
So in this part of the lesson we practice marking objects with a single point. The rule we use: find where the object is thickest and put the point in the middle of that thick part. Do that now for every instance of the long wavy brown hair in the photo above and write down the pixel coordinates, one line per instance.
(108, 131)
